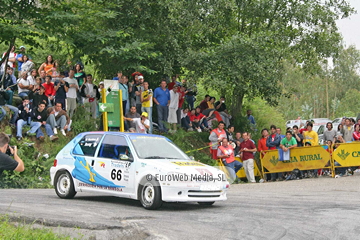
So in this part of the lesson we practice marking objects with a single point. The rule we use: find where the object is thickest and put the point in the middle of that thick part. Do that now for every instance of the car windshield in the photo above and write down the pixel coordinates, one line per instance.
(152, 147)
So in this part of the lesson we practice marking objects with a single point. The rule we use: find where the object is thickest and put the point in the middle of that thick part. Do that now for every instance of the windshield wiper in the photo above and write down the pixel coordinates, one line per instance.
(154, 157)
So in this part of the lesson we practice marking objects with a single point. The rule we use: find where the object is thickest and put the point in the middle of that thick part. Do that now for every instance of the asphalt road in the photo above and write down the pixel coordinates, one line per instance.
(322, 208)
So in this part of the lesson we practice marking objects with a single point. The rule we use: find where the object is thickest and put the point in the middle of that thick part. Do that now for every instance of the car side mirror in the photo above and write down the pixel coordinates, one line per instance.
(125, 157)
(192, 158)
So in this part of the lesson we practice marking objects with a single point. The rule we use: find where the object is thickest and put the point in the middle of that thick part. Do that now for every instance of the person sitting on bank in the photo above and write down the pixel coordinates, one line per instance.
(226, 153)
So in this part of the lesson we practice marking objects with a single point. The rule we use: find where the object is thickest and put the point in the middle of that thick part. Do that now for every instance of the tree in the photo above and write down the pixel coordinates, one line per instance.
(258, 37)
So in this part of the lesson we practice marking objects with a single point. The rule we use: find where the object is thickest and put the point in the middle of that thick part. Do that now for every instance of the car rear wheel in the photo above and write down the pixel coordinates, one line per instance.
(64, 185)
(206, 203)
(150, 194)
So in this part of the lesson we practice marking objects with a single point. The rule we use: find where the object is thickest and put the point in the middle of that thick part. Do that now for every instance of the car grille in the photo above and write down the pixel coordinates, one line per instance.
(204, 194)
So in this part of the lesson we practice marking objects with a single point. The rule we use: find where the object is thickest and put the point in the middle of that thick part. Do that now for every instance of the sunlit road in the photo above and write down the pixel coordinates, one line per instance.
(321, 208)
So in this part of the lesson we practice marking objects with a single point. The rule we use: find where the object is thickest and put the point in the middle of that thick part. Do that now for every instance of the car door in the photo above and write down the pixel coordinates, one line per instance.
(115, 163)
(84, 156)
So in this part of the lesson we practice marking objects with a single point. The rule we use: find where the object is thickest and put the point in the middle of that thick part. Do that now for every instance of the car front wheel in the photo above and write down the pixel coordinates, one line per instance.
(150, 194)
(64, 185)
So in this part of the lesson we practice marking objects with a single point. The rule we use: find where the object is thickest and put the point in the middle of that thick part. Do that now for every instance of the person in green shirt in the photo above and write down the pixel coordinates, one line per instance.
(288, 142)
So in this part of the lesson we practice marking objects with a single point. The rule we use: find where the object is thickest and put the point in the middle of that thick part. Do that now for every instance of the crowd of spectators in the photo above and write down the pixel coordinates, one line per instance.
(49, 97)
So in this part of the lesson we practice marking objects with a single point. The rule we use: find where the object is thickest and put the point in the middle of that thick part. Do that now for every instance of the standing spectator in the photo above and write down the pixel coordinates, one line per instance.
(262, 141)
(347, 130)
(71, 94)
(6, 162)
(251, 119)
(26, 65)
(9, 84)
(25, 118)
(39, 97)
(119, 75)
(80, 77)
(356, 133)
(124, 91)
(329, 133)
(238, 139)
(229, 133)
(278, 131)
(4, 96)
(173, 82)
(57, 118)
(226, 153)
(288, 142)
(173, 106)
(11, 59)
(310, 135)
(91, 95)
(273, 142)
(147, 102)
(61, 87)
(139, 89)
(182, 91)
(132, 114)
(247, 149)
(49, 90)
(40, 115)
(24, 86)
(298, 136)
(162, 100)
(190, 96)
(49, 66)
(216, 136)
(20, 58)
(221, 108)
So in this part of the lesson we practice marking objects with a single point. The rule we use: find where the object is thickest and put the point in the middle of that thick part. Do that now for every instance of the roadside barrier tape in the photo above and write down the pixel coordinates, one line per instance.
(194, 150)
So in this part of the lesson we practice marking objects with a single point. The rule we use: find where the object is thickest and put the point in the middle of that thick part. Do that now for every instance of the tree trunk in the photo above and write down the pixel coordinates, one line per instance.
(237, 102)
(5, 59)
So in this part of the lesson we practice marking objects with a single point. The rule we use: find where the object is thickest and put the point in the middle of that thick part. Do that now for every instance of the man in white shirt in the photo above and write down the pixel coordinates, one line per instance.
(173, 106)
(142, 124)
(72, 93)
(24, 85)
(91, 95)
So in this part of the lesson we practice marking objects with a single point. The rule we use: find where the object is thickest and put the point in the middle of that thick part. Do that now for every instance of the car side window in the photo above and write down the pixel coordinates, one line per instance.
(113, 146)
(87, 145)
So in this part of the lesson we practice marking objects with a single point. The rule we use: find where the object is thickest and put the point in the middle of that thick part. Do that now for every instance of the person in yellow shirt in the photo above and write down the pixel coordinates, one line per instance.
(146, 98)
(310, 135)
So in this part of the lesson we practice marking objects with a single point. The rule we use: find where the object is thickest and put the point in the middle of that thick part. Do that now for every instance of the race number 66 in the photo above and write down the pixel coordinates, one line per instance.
(116, 174)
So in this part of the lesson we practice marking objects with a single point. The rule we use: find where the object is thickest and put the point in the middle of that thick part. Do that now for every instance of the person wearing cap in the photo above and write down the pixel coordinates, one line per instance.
(139, 88)
(19, 57)
(142, 124)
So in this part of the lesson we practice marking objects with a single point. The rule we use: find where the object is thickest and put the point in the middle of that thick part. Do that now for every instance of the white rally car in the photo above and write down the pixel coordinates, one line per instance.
(146, 167)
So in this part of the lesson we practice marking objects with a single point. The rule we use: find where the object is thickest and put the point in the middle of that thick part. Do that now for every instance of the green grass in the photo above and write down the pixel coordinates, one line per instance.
(17, 231)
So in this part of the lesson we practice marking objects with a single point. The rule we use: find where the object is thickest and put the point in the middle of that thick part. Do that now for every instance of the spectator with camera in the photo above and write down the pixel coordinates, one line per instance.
(6, 162)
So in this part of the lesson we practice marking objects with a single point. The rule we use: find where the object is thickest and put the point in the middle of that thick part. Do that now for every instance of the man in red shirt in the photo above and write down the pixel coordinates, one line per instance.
(182, 91)
(262, 141)
(49, 90)
(203, 104)
(216, 137)
(247, 148)
(226, 153)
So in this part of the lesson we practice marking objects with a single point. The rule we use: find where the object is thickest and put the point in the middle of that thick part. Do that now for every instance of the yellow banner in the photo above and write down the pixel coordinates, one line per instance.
(348, 154)
(241, 173)
(303, 158)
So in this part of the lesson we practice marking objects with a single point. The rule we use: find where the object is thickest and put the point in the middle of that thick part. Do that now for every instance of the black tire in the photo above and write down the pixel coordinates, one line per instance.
(206, 203)
(150, 194)
(64, 185)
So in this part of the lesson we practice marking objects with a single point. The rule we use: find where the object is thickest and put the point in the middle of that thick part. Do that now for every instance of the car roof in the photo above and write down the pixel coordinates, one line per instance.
(120, 133)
